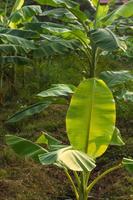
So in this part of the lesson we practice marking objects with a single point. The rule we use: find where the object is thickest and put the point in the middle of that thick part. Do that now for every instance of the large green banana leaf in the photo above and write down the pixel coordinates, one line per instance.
(63, 14)
(54, 46)
(91, 117)
(105, 39)
(72, 6)
(66, 33)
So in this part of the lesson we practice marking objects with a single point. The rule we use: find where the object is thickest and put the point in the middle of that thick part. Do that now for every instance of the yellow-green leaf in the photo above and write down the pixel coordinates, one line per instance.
(91, 117)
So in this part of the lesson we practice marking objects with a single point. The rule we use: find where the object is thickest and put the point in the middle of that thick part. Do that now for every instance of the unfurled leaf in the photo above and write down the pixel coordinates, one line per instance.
(72, 159)
(117, 138)
(25, 147)
(77, 160)
(91, 116)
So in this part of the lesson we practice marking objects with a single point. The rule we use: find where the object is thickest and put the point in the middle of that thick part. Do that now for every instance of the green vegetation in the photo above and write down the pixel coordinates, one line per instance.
(36, 38)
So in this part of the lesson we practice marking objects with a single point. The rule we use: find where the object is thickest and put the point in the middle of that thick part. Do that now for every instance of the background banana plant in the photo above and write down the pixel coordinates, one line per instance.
(20, 45)
(76, 31)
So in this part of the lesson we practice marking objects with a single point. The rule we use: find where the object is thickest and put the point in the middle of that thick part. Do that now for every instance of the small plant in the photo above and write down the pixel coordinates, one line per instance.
(90, 125)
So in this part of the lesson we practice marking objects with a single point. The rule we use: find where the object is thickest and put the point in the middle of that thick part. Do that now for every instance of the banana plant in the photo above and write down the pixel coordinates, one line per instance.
(14, 26)
(15, 45)
(90, 126)
(19, 45)
(95, 37)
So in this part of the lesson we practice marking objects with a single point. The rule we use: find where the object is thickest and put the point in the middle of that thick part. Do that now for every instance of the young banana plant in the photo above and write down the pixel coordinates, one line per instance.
(90, 126)
(95, 37)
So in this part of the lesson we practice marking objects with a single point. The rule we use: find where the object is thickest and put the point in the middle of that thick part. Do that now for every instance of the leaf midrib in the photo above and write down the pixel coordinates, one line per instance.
(90, 114)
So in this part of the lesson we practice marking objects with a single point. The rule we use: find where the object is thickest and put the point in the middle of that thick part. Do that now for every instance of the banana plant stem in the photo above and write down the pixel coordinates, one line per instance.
(94, 48)
(72, 184)
(83, 195)
(93, 62)
(97, 8)
(92, 184)
(77, 178)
